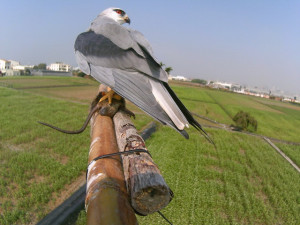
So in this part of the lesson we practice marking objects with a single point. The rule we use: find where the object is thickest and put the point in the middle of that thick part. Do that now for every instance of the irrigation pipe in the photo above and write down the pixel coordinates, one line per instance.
(282, 154)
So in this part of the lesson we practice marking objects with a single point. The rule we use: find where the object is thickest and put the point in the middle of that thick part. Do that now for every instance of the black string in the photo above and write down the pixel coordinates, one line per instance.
(117, 153)
(162, 215)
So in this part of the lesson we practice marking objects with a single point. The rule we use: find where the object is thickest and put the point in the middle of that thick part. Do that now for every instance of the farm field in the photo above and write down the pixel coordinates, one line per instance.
(35, 82)
(242, 181)
(275, 119)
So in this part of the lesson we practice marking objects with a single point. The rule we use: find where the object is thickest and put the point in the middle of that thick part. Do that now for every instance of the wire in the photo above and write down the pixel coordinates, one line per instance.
(162, 215)
(117, 153)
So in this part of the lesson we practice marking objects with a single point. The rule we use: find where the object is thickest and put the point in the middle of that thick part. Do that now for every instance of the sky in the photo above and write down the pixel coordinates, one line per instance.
(253, 43)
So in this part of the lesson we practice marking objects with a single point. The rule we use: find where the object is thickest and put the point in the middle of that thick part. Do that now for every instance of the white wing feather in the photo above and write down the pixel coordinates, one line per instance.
(167, 103)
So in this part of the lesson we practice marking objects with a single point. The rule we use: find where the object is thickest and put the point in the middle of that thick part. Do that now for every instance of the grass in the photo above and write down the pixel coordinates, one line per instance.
(37, 162)
(83, 94)
(275, 119)
(43, 81)
(292, 151)
(243, 181)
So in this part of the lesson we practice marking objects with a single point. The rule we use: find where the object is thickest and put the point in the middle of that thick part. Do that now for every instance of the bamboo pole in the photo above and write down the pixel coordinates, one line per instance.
(147, 188)
(106, 199)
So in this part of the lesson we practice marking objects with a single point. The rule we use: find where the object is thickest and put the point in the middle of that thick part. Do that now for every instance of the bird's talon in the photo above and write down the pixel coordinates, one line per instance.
(118, 97)
(109, 96)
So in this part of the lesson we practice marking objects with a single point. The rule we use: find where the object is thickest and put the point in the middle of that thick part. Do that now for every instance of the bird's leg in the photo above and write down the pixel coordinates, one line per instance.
(110, 94)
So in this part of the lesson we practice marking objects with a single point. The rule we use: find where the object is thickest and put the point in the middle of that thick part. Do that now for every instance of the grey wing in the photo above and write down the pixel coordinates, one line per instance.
(130, 75)
(143, 43)
(130, 69)
(139, 89)
(143, 91)
(99, 50)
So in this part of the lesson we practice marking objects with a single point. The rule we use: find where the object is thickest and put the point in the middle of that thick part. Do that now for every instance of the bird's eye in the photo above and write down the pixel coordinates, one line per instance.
(119, 11)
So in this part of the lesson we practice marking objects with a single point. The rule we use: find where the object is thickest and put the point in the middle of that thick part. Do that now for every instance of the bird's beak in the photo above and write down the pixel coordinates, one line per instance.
(127, 20)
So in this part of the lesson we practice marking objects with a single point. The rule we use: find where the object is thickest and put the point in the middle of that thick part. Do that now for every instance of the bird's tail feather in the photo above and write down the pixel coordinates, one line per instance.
(187, 114)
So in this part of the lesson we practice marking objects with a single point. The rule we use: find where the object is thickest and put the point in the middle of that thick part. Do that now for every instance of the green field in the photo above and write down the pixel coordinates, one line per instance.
(242, 181)
(275, 119)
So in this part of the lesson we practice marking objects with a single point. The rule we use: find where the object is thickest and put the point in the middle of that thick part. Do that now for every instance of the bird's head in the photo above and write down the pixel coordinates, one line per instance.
(117, 15)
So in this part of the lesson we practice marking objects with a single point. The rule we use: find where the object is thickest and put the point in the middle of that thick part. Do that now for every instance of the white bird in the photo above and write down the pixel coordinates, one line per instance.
(122, 59)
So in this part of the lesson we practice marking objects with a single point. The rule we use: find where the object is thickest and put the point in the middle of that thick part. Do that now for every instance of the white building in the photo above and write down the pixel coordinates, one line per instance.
(22, 67)
(59, 66)
(12, 68)
(222, 85)
(4, 65)
(182, 78)
(11, 72)
(14, 63)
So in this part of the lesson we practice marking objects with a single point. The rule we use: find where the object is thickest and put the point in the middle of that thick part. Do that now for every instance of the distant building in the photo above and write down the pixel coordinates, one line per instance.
(59, 66)
(287, 99)
(11, 72)
(182, 78)
(22, 67)
(218, 85)
(229, 86)
(4, 65)
(14, 63)
(12, 68)
(240, 91)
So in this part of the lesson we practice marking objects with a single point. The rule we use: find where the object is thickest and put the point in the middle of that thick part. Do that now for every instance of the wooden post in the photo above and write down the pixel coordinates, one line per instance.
(106, 199)
(147, 188)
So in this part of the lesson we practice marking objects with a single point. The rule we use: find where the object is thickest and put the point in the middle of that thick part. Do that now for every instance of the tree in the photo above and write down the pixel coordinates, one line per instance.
(168, 70)
(245, 121)
(41, 66)
(78, 73)
(199, 81)
(27, 72)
